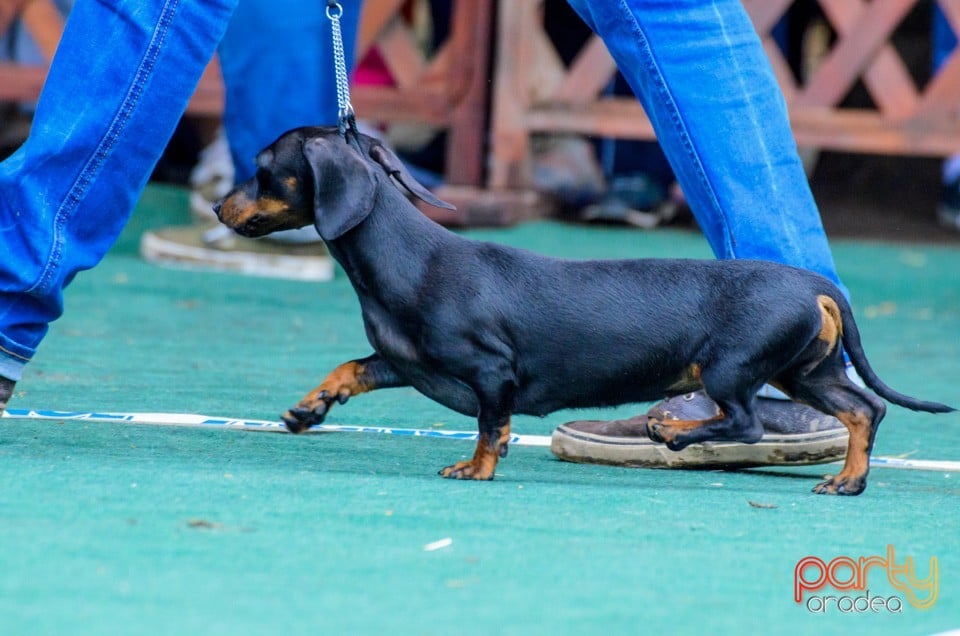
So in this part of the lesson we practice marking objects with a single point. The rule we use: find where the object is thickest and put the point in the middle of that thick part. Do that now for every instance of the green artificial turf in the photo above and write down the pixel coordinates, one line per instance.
(119, 528)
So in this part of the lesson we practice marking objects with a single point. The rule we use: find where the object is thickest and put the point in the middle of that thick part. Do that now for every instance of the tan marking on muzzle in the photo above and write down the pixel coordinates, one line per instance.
(237, 210)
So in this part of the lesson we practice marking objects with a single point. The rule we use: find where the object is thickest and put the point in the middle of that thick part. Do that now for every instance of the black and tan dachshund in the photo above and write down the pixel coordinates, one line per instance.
(490, 331)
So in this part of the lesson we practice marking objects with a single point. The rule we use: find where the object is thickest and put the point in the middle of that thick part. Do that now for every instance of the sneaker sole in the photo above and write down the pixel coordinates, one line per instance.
(182, 247)
(801, 449)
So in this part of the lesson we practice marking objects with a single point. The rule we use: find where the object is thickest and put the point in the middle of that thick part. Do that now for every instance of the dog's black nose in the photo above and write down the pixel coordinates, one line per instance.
(216, 208)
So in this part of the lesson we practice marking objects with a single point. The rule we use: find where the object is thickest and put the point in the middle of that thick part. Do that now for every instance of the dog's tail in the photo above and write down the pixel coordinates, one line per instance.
(851, 343)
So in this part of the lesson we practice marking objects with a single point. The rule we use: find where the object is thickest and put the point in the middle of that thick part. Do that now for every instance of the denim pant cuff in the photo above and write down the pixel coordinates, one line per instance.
(11, 367)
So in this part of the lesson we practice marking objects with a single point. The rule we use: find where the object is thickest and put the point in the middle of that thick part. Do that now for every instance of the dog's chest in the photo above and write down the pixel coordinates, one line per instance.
(394, 342)
(387, 335)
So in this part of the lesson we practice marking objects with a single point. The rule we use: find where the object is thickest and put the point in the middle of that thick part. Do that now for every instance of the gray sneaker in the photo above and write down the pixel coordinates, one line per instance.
(6, 390)
(217, 248)
(794, 435)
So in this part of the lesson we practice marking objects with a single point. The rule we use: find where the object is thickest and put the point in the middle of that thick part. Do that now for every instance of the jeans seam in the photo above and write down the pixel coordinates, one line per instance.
(109, 140)
(13, 354)
(677, 121)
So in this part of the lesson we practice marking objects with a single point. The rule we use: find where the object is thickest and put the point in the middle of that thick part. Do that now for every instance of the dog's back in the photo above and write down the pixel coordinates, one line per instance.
(609, 331)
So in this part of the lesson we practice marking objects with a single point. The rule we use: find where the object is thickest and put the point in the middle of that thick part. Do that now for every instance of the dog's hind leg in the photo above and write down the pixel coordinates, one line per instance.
(496, 404)
(828, 389)
(348, 379)
(734, 376)
(735, 421)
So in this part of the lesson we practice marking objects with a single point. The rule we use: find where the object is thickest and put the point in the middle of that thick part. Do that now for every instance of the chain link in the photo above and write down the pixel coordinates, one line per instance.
(346, 115)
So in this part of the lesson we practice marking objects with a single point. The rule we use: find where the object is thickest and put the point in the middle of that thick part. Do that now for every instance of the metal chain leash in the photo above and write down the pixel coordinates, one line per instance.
(346, 120)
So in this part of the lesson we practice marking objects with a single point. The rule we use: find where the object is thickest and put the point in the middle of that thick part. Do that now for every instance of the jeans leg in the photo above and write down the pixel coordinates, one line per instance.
(699, 70)
(119, 83)
(277, 64)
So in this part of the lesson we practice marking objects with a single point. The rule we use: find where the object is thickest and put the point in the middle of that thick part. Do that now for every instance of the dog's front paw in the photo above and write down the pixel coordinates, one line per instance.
(311, 411)
(342, 383)
(299, 419)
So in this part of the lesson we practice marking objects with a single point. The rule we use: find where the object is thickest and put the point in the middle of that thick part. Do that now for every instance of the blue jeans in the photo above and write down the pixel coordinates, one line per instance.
(119, 83)
(699, 70)
(116, 88)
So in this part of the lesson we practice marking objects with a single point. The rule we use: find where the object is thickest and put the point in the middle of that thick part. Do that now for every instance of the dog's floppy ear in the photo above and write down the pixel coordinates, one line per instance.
(395, 168)
(343, 186)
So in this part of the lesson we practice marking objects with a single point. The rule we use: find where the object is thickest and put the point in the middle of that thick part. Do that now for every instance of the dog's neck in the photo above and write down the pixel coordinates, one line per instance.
(385, 255)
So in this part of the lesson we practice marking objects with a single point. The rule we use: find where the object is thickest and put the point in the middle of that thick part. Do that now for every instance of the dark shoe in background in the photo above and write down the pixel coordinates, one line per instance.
(565, 167)
(637, 200)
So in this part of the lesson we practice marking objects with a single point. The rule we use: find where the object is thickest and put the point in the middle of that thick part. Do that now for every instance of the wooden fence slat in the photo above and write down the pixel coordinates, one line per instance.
(907, 119)
(591, 71)
(848, 59)
(887, 78)
(44, 22)
(375, 16)
(400, 54)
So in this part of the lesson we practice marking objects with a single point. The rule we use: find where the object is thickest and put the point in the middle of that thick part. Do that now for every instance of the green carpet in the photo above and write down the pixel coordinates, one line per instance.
(113, 528)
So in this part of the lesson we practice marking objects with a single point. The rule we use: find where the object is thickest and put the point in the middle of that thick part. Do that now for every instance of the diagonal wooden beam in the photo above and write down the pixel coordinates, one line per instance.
(400, 53)
(886, 78)
(40, 18)
(9, 9)
(589, 73)
(375, 16)
(854, 51)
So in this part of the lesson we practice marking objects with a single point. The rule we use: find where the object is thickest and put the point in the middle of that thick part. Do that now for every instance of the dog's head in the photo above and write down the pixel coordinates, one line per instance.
(314, 175)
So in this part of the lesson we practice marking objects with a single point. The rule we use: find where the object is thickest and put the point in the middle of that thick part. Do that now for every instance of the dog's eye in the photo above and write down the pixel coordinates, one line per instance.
(265, 180)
